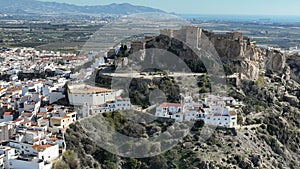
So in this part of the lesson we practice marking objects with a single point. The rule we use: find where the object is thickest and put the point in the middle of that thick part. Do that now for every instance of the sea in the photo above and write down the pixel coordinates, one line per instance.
(244, 18)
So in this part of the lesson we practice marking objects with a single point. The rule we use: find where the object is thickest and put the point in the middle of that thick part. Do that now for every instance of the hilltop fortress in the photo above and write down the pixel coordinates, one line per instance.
(191, 35)
(238, 51)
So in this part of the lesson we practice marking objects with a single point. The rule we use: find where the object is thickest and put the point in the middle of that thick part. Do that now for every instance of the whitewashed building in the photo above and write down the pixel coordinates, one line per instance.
(81, 94)
(118, 104)
(41, 157)
(214, 110)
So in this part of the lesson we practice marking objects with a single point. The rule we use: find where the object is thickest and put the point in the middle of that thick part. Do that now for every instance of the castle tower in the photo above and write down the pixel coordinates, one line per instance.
(193, 35)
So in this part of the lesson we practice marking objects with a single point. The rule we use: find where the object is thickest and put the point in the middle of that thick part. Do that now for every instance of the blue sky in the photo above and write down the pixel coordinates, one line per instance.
(249, 7)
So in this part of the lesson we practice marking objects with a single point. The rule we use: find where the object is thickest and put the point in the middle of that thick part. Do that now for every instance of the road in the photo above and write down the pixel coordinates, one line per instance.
(147, 76)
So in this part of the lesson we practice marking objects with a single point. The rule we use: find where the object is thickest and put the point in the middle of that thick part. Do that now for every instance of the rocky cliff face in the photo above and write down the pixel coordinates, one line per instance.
(234, 50)
(293, 61)
(243, 55)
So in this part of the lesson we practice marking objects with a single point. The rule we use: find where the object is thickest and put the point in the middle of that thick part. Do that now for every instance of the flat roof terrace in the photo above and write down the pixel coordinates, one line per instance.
(86, 89)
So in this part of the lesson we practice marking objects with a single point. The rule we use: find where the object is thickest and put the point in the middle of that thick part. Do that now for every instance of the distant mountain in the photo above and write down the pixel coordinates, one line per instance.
(38, 7)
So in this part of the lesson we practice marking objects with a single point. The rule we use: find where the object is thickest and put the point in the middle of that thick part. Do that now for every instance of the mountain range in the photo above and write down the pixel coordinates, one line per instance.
(47, 8)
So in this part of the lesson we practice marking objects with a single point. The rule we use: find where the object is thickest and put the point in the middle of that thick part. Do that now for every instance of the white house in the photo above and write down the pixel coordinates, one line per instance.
(170, 110)
(6, 154)
(40, 157)
(29, 163)
(213, 111)
(8, 116)
(81, 94)
(227, 119)
(118, 104)
(47, 152)
(44, 121)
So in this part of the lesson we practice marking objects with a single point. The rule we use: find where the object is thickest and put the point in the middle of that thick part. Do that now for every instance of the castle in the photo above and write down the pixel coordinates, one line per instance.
(191, 35)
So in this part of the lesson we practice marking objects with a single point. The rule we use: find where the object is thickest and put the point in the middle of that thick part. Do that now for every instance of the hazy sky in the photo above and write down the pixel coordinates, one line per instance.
(252, 7)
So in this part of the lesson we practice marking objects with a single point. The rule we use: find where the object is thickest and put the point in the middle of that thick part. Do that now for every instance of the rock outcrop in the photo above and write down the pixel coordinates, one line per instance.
(242, 54)
(293, 62)
(235, 50)
(275, 61)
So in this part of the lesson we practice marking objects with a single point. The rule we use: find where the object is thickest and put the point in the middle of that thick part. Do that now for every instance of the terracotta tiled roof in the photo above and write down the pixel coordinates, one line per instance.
(170, 105)
(41, 147)
(44, 118)
(7, 113)
(64, 117)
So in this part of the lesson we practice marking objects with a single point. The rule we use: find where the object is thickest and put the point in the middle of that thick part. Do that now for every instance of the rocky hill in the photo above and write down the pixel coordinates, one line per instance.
(270, 120)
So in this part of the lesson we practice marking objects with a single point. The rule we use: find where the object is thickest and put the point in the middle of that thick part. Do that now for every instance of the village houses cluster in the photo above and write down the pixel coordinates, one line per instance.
(213, 110)
(32, 124)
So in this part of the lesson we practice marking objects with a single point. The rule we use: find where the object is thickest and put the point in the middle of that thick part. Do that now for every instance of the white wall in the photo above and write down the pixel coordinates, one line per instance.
(223, 121)
(8, 118)
(50, 153)
(190, 115)
(20, 164)
(91, 99)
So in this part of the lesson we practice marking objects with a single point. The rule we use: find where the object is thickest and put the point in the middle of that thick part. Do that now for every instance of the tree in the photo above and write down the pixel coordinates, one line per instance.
(60, 165)
(198, 124)
(71, 158)
(158, 162)
(133, 163)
